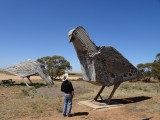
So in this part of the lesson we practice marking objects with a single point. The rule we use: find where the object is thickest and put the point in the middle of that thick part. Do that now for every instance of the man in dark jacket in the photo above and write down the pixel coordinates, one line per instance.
(68, 90)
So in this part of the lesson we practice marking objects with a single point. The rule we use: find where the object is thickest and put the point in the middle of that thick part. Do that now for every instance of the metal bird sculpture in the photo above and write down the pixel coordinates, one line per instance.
(29, 68)
(103, 64)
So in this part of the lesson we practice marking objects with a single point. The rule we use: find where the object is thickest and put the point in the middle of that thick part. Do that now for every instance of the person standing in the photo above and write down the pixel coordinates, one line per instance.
(68, 90)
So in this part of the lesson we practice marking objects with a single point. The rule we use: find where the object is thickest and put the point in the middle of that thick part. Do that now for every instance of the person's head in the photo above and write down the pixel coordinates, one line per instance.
(65, 77)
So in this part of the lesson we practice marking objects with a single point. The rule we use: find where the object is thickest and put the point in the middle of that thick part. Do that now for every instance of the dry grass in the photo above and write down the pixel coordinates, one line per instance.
(16, 103)
(20, 101)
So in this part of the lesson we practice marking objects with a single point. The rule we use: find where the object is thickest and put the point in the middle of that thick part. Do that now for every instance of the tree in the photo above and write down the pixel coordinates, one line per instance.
(156, 70)
(158, 57)
(151, 69)
(146, 70)
(55, 65)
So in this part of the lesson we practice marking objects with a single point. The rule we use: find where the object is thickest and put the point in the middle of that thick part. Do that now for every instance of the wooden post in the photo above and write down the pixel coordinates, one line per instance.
(100, 91)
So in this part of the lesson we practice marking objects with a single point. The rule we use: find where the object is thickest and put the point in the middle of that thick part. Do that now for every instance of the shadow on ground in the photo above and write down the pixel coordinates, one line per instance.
(80, 114)
(126, 100)
(36, 85)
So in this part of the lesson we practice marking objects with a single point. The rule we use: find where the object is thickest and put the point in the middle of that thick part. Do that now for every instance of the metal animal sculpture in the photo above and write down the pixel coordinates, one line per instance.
(103, 64)
(29, 68)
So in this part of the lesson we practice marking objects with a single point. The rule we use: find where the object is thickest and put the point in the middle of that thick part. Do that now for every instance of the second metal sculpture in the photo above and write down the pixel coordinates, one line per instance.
(30, 68)
(104, 64)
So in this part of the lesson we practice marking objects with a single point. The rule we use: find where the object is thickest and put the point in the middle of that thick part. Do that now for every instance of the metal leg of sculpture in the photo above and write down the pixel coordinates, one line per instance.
(25, 82)
(29, 79)
(113, 91)
(100, 91)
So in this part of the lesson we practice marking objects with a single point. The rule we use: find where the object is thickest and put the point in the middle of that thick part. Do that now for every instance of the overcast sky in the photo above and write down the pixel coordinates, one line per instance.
(31, 29)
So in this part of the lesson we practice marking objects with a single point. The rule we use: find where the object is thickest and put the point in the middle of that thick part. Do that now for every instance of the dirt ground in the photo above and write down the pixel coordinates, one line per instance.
(142, 105)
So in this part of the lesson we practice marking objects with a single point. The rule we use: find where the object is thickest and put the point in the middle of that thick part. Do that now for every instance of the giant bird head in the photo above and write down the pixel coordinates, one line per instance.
(43, 73)
(81, 41)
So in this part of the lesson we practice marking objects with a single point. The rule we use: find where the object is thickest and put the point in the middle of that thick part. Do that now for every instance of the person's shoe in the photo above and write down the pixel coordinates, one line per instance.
(64, 115)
